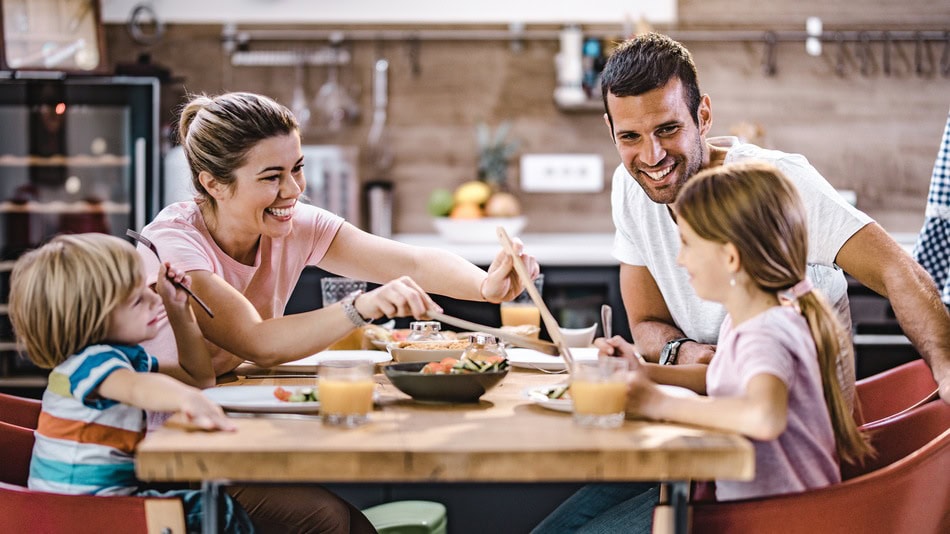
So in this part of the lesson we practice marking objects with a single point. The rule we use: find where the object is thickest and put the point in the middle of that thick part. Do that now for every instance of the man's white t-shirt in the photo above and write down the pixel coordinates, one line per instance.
(647, 236)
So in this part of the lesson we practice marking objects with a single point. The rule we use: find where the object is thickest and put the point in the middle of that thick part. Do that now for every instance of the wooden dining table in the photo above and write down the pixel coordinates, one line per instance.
(505, 437)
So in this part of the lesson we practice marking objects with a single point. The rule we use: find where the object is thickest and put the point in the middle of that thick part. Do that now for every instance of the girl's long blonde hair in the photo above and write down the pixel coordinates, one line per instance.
(62, 293)
(757, 209)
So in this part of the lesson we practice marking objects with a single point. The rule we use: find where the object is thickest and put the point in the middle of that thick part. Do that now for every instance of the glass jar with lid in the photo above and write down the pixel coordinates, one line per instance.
(425, 331)
(483, 346)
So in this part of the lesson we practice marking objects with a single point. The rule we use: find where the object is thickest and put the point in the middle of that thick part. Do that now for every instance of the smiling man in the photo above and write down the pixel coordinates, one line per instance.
(659, 121)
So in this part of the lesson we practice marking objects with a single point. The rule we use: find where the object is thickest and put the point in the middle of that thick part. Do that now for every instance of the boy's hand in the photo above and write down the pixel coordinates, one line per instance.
(201, 412)
(173, 296)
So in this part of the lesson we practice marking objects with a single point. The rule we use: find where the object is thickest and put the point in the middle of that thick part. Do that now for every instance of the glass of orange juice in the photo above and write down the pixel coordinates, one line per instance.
(345, 390)
(599, 392)
(522, 310)
(334, 290)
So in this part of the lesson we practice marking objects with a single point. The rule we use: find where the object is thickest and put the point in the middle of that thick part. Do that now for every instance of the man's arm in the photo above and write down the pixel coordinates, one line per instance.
(878, 262)
(651, 324)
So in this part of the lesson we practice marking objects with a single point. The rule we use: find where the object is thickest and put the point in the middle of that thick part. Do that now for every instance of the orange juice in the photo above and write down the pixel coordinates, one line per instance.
(514, 314)
(351, 341)
(345, 397)
(599, 398)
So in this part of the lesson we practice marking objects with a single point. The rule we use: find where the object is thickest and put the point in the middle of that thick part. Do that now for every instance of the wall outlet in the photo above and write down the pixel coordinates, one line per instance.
(579, 173)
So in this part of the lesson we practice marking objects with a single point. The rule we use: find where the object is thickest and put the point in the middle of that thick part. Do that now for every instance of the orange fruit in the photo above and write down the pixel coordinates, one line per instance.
(466, 210)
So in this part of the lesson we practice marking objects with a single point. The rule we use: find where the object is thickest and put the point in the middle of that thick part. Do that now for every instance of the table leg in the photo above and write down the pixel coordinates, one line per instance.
(211, 500)
(672, 513)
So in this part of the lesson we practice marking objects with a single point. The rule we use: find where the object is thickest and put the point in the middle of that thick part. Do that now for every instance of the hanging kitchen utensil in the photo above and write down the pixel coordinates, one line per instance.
(379, 155)
(298, 102)
(333, 102)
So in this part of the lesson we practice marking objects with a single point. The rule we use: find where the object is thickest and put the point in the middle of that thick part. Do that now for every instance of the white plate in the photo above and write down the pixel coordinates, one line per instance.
(532, 359)
(310, 363)
(257, 399)
(539, 395)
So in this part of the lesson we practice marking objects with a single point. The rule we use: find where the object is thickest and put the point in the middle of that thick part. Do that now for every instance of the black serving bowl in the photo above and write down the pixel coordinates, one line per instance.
(441, 388)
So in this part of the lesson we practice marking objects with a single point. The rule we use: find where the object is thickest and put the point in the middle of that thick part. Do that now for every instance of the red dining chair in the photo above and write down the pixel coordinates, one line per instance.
(909, 495)
(893, 391)
(26, 511)
(19, 411)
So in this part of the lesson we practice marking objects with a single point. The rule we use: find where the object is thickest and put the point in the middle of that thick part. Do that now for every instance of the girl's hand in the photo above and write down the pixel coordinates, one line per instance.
(399, 298)
(201, 412)
(502, 282)
(642, 394)
(618, 347)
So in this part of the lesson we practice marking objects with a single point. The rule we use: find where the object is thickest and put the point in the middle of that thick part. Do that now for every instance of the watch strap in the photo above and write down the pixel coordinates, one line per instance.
(350, 309)
(671, 350)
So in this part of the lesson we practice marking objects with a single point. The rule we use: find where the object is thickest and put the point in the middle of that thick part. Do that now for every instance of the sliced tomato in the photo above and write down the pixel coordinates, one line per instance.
(448, 362)
(282, 394)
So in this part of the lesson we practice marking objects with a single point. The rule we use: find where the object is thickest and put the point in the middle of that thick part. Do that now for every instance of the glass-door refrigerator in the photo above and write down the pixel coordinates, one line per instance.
(77, 154)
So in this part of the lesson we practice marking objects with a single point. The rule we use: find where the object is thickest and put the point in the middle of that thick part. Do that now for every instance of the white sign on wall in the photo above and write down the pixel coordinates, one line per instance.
(397, 12)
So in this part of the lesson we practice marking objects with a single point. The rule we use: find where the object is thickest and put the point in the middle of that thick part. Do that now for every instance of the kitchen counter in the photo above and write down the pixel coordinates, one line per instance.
(550, 249)
(572, 250)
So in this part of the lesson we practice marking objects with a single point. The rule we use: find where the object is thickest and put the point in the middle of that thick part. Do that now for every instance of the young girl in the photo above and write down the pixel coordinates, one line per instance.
(773, 377)
(80, 306)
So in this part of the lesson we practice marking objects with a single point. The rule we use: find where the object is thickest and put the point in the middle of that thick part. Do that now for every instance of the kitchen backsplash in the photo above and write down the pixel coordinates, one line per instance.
(876, 135)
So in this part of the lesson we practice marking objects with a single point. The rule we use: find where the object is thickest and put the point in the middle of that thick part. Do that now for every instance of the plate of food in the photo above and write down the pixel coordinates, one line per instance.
(557, 397)
(532, 359)
(271, 399)
(427, 351)
(309, 364)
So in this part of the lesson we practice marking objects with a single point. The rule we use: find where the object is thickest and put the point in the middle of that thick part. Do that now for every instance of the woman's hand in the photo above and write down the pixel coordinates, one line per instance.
(399, 298)
(502, 282)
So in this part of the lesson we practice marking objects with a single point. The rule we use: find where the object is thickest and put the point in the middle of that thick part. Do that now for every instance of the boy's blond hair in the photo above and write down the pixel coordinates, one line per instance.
(62, 293)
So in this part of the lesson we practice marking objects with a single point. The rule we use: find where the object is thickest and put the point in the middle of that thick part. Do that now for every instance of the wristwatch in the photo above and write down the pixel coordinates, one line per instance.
(671, 350)
(350, 310)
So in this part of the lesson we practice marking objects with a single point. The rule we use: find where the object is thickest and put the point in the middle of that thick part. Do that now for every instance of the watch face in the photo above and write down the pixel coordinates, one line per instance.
(51, 34)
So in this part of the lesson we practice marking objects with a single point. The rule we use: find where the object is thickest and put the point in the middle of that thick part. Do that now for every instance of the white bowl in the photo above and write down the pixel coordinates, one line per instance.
(579, 337)
(477, 230)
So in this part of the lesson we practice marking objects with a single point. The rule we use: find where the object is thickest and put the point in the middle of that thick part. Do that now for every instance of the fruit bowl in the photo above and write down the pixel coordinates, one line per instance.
(477, 230)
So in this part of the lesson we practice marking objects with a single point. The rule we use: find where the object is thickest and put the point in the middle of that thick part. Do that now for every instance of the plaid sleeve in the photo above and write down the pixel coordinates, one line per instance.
(932, 249)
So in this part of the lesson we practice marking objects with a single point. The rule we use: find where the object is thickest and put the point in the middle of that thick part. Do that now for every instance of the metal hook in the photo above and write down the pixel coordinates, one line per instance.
(768, 64)
(842, 54)
(866, 55)
(887, 53)
(922, 53)
(415, 46)
(945, 57)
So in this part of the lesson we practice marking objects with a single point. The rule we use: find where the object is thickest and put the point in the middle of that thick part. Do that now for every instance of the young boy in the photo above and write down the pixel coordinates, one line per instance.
(80, 306)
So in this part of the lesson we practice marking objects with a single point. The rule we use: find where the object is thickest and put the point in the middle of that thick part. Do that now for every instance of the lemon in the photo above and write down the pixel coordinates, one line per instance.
(472, 192)
(440, 203)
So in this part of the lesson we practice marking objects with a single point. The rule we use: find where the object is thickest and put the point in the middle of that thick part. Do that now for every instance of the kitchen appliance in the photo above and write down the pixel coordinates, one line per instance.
(76, 155)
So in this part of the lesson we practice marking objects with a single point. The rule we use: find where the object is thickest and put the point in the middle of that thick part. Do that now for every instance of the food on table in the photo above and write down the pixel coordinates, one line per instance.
(559, 392)
(448, 344)
(297, 395)
(452, 366)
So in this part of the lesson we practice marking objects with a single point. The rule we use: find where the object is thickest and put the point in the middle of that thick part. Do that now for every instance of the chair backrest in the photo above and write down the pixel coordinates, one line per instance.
(893, 391)
(19, 411)
(898, 436)
(16, 449)
(909, 495)
(23, 510)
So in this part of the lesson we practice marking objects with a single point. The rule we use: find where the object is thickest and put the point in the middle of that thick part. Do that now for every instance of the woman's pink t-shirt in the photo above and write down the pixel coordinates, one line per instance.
(181, 236)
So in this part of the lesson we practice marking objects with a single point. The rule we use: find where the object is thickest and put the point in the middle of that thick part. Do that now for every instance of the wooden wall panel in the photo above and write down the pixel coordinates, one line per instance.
(875, 134)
